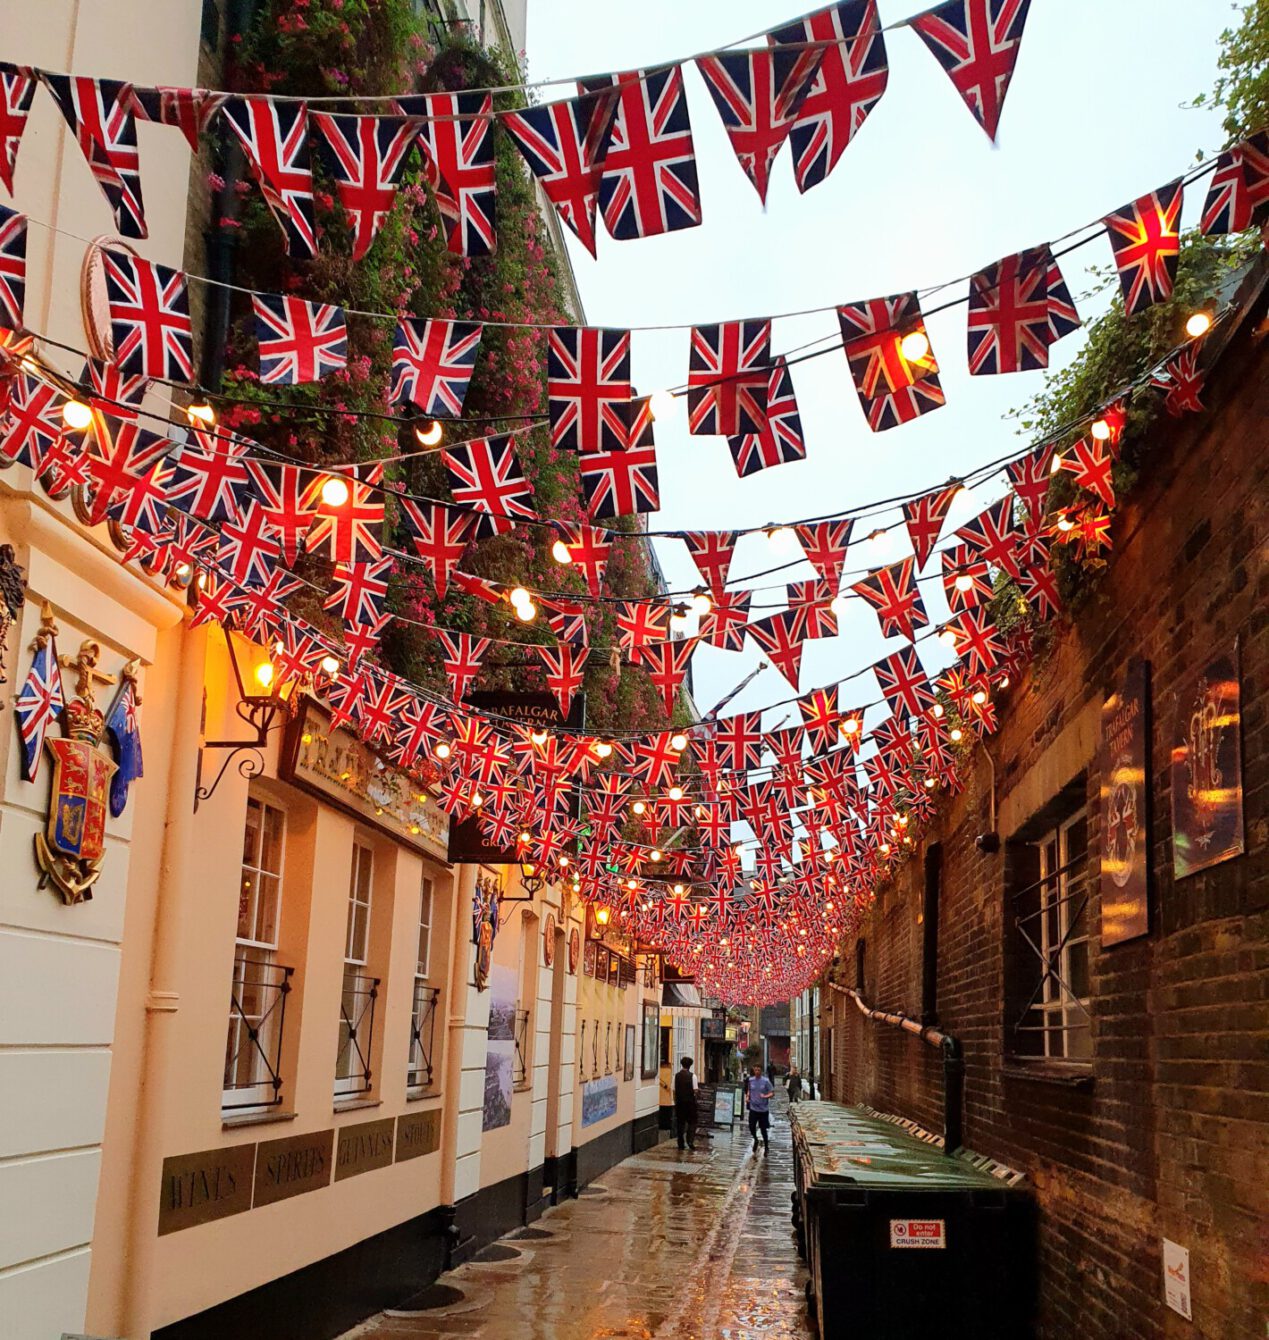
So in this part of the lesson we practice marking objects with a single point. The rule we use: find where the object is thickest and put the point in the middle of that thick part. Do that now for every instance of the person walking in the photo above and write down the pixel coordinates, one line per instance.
(685, 1113)
(758, 1093)
(794, 1085)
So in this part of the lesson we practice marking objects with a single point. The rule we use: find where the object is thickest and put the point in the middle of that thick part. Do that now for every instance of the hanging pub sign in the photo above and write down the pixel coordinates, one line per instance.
(538, 711)
(1207, 769)
(1123, 765)
(339, 767)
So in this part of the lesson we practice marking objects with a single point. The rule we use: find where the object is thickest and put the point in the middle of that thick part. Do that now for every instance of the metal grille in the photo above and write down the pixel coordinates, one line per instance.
(422, 1035)
(253, 1051)
(520, 1075)
(356, 1033)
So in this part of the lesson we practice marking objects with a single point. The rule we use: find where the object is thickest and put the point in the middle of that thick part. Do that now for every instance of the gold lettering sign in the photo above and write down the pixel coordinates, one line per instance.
(360, 1148)
(198, 1188)
(334, 764)
(291, 1166)
(418, 1133)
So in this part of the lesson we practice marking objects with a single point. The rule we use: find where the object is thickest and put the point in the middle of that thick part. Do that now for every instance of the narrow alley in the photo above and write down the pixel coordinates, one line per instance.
(668, 1245)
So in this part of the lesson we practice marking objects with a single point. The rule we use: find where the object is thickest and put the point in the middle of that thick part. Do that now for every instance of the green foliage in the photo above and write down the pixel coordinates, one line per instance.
(1242, 88)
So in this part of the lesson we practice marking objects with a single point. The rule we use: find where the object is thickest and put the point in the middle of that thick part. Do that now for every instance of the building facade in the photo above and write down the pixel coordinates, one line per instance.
(1088, 919)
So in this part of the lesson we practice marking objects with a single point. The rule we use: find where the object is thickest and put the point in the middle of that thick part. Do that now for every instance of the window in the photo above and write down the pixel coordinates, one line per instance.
(1051, 916)
(423, 1009)
(257, 1000)
(357, 1004)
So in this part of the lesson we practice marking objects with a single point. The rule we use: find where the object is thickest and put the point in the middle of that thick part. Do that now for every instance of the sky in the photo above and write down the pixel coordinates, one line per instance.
(1096, 115)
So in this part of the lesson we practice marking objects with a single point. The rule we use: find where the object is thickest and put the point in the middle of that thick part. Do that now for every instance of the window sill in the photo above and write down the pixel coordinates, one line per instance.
(421, 1095)
(231, 1123)
(357, 1104)
(525, 1087)
(1066, 1075)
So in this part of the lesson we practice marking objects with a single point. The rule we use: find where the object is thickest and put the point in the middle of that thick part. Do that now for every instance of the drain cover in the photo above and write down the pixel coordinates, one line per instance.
(531, 1233)
(434, 1296)
(497, 1251)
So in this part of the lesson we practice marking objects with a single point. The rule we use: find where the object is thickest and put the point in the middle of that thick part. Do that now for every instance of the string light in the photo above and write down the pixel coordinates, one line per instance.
(676, 793)
(603, 748)
(330, 664)
(442, 750)
(477, 800)
(850, 726)
(1064, 522)
(839, 606)
(937, 710)
(429, 436)
(639, 807)
(929, 783)
(335, 491)
(980, 697)
(538, 736)
(1100, 429)
(526, 611)
(76, 415)
(561, 553)
(701, 603)
(1056, 463)
(782, 539)
(678, 741)
(956, 733)
(1198, 324)
(914, 345)
(664, 406)
(947, 636)
(657, 854)
(201, 412)
(964, 582)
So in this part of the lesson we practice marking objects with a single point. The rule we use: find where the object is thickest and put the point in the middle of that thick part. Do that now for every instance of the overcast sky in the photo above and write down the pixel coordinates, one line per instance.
(1096, 115)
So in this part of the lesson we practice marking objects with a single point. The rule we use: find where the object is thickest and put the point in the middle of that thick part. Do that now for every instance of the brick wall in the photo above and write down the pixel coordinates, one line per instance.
(1168, 1135)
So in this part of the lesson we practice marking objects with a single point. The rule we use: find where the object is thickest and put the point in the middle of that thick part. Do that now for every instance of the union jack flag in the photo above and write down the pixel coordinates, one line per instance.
(1146, 239)
(896, 597)
(565, 668)
(99, 113)
(486, 475)
(456, 136)
(38, 705)
(620, 483)
(813, 601)
(739, 741)
(1029, 478)
(711, 551)
(966, 579)
(991, 535)
(286, 503)
(32, 421)
(358, 591)
(299, 341)
(924, 518)
(825, 543)
(17, 88)
(1240, 187)
(12, 267)
(150, 326)
(110, 390)
(976, 42)
(780, 440)
(724, 626)
(781, 637)
(1039, 588)
(978, 639)
(758, 95)
(211, 480)
(562, 143)
(463, 655)
(1009, 326)
(903, 683)
(588, 548)
(729, 376)
(1181, 381)
(1091, 464)
(440, 536)
(588, 385)
(351, 531)
(189, 110)
(667, 663)
(894, 389)
(821, 721)
(432, 364)
(366, 156)
(648, 183)
(275, 138)
(848, 84)
(125, 465)
(640, 622)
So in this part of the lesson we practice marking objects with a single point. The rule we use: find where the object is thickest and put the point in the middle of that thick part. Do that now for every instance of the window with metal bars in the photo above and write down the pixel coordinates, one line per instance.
(353, 1074)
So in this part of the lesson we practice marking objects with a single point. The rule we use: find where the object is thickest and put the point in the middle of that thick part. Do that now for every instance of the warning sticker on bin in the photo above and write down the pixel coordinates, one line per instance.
(920, 1233)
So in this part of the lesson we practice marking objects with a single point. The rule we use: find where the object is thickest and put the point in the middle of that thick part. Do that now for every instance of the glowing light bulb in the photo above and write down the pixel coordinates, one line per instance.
(564, 862)
(639, 807)
(477, 800)
(782, 539)
(980, 697)
(1100, 429)
(442, 750)
(560, 552)
(850, 726)
(947, 636)
(201, 412)
(1198, 324)
(936, 711)
(657, 854)
(701, 603)
(1004, 681)
(538, 736)
(678, 741)
(956, 733)
(603, 748)
(182, 570)
(964, 581)
(526, 611)
(839, 606)
(929, 783)
(664, 406)
(76, 415)
(1056, 463)
(885, 849)
(676, 793)
(915, 345)
(335, 491)
(603, 915)
(429, 436)
(264, 674)
(330, 664)
(1064, 522)
(519, 596)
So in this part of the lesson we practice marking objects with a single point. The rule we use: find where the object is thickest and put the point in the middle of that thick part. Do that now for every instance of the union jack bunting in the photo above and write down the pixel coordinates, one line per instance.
(99, 113)
(562, 143)
(486, 475)
(893, 388)
(456, 136)
(924, 517)
(110, 390)
(1029, 478)
(620, 483)
(366, 156)
(780, 440)
(821, 721)
(463, 655)
(588, 385)
(903, 683)
(711, 551)
(976, 42)
(648, 183)
(12, 267)
(433, 362)
(850, 80)
(299, 341)
(150, 328)
(1239, 189)
(440, 536)
(1181, 381)
(567, 620)
(825, 544)
(125, 465)
(894, 594)
(991, 534)
(1009, 327)
(565, 668)
(966, 579)
(17, 88)
(977, 640)
(286, 501)
(666, 663)
(1091, 464)
(38, 704)
(1039, 588)
(1146, 239)
(813, 601)
(274, 136)
(588, 550)
(640, 622)
(32, 421)
(780, 636)
(728, 379)
(739, 741)
(358, 591)
(351, 531)
(189, 110)
(758, 95)
(211, 480)
(724, 625)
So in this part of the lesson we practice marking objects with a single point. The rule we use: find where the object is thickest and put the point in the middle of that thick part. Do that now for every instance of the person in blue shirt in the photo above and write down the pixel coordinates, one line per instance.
(758, 1093)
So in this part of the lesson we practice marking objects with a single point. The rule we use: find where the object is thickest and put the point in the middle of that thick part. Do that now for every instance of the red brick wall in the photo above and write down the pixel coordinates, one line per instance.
(1170, 1135)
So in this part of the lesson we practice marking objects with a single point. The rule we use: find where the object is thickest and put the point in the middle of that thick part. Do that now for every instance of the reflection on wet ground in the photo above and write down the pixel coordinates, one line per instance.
(666, 1246)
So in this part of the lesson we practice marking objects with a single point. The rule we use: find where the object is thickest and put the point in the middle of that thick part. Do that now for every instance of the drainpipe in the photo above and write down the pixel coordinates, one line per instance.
(455, 1041)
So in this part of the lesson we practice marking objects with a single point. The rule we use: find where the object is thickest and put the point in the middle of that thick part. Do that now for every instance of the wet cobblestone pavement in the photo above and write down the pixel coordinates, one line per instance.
(664, 1246)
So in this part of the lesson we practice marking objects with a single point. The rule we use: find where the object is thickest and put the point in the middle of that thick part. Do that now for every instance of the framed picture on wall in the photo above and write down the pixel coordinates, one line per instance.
(614, 969)
(628, 1072)
(589, 959)
(651, 1039)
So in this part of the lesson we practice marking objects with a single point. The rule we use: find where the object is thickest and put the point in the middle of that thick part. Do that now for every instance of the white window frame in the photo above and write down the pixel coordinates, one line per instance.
(427, 911)
(363, 857)
(1062, 1014)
